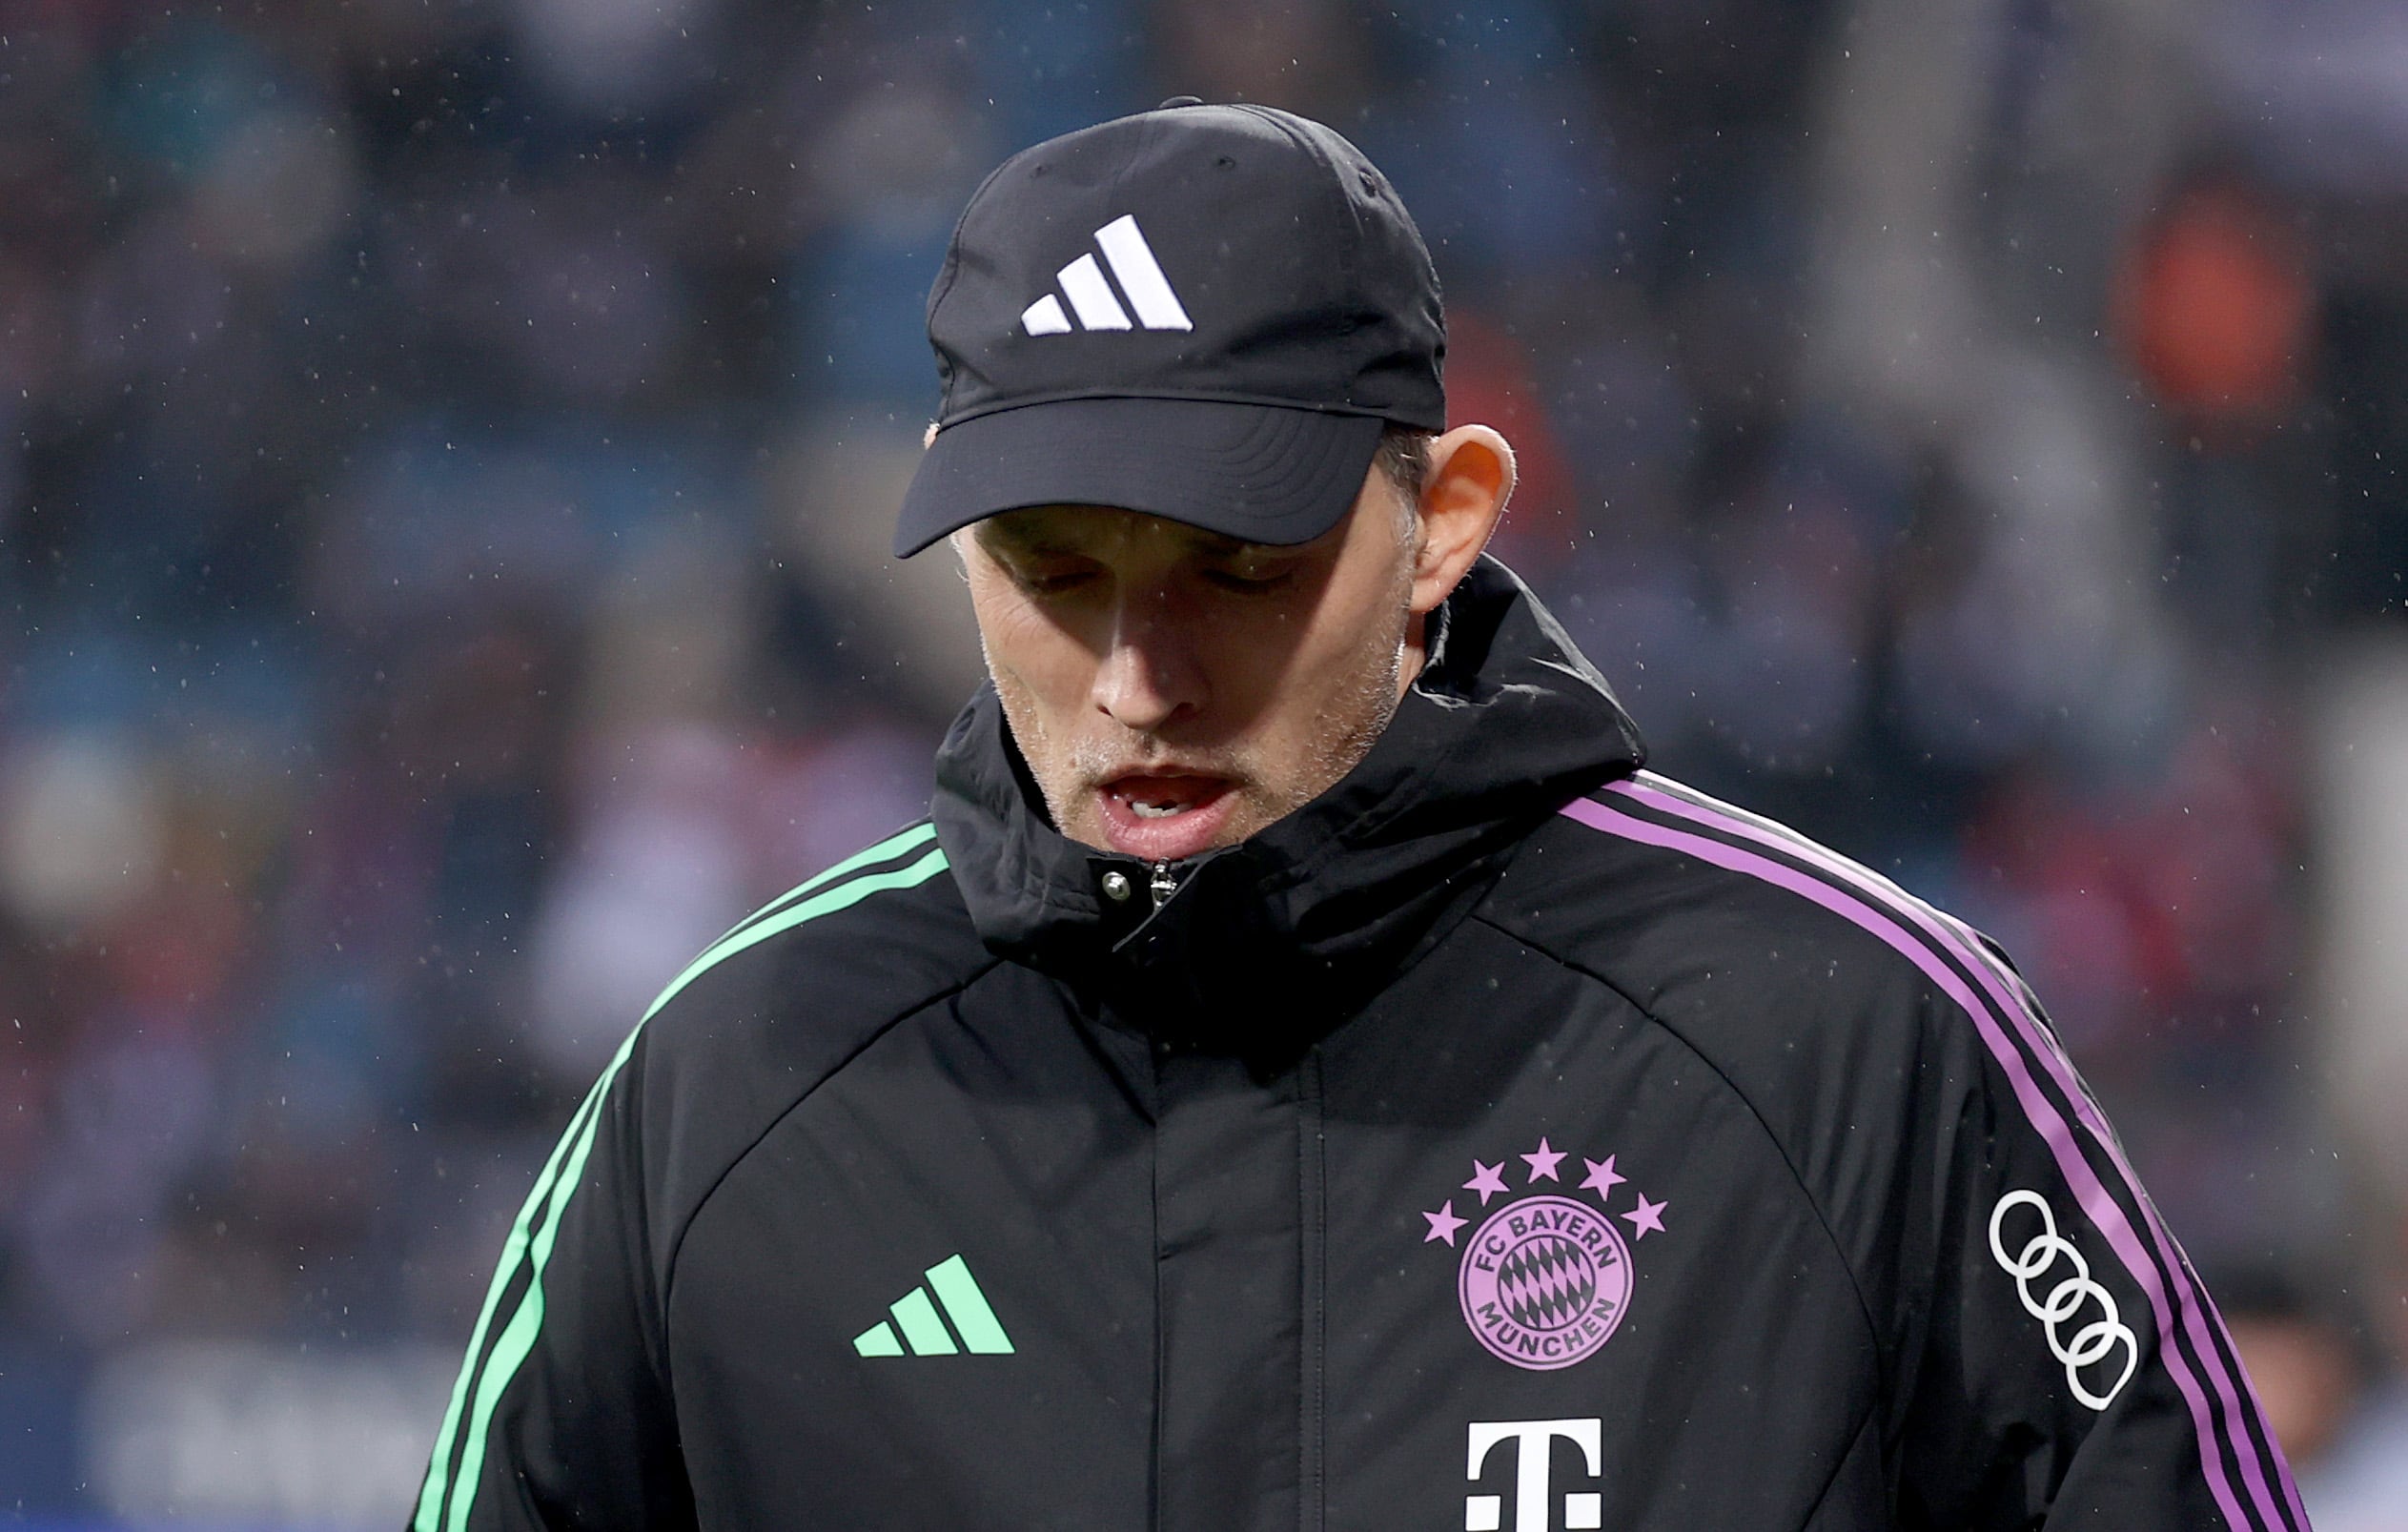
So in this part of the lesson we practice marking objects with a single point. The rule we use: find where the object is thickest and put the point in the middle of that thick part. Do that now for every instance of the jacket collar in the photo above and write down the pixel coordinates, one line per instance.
(1310, 918)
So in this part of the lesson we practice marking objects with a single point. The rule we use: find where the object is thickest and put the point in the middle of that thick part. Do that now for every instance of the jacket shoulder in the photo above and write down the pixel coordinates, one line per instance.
(868, 939)
(1852, 1021)
(1806, 979)
(787, 997)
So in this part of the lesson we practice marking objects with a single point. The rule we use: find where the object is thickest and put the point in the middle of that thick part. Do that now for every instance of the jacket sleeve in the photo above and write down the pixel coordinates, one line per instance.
(562, 1415)
(2064, 1366)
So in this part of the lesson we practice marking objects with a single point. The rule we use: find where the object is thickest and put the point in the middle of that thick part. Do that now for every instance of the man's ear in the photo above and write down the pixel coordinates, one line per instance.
(1471, 477)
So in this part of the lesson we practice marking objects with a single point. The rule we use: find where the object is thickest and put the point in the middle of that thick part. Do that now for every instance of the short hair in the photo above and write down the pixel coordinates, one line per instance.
(1403, 457)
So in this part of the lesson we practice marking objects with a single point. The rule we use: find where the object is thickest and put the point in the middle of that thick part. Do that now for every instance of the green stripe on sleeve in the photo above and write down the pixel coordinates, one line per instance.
(518, 1337)
(893, 845)
(811, 909)
(439, 1472)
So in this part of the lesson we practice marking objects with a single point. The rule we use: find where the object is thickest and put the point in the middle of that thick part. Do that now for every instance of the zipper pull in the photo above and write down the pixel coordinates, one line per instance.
(1163, 886)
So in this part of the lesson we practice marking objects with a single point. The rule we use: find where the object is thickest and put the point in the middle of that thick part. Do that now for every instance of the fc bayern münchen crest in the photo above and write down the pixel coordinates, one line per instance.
(1545, 1279)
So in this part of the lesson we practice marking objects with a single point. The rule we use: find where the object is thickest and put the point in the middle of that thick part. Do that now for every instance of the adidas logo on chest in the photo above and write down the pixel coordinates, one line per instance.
(1093, 299)
(916, 1323)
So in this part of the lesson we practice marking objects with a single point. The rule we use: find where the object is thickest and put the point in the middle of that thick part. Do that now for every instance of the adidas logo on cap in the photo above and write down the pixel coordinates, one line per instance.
(1238, 383)
(1092, 298)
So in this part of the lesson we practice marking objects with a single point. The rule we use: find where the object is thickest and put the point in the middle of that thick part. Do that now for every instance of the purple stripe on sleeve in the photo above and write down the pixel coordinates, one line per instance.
(2088, 1190)
(2004, 989)
(2198, 1310)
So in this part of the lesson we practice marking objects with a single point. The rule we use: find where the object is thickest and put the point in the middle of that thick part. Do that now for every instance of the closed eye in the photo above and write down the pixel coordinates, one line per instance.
(1245, 582)
(1052, 582)
(1045, 573)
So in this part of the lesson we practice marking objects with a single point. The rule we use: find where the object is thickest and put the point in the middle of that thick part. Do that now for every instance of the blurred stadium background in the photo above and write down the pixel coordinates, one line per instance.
(448, 452)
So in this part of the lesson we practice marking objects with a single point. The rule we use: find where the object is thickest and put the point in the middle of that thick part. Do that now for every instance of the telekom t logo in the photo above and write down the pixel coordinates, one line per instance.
(1533, 1495)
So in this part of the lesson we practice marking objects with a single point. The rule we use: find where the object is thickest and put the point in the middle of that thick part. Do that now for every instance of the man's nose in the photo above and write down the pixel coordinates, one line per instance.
(1150, 676)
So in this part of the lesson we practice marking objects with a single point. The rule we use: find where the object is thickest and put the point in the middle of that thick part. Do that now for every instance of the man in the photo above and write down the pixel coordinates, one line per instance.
(1305, 1075)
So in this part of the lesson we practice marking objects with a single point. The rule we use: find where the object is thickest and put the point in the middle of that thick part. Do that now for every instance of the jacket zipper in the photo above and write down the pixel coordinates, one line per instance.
(1163, 886)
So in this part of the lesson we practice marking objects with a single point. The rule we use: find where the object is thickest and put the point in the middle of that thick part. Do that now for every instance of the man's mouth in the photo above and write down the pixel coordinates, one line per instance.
(1156, 799)
(1164, 816)
(1160, 794)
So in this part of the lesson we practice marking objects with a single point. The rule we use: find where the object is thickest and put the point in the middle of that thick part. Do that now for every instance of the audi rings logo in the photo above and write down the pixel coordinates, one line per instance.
(2094, 1341)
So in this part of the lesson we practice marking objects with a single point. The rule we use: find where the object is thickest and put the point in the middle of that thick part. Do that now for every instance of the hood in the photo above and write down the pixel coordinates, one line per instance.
(1309, 918)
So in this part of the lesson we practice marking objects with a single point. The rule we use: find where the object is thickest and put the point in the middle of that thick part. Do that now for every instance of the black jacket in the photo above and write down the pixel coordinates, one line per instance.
(1508, 1138)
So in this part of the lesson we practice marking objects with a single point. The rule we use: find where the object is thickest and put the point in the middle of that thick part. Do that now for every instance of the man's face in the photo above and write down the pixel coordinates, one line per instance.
(1173, 690)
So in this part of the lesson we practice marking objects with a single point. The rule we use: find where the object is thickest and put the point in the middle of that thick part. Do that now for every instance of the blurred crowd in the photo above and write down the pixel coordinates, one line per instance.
(449, 449)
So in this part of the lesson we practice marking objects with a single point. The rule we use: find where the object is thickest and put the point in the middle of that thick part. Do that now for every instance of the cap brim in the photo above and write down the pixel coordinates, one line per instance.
(1262, 473)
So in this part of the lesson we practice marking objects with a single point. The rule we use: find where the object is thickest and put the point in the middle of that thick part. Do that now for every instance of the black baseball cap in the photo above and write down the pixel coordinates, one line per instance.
(1205, 312)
